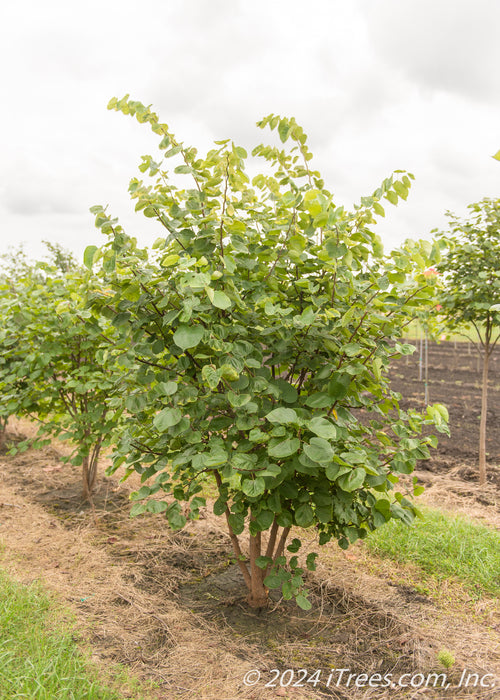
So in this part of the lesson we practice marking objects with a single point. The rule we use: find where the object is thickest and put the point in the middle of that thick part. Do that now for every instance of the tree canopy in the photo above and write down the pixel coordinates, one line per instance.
(258, 335)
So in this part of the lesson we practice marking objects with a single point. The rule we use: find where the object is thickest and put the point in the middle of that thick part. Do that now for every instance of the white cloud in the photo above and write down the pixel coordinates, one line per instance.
(377, 85)
(450, 45)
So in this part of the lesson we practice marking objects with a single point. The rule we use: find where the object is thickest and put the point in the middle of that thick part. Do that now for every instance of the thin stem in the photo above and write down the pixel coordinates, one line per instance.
(281, 544)
(234, 539)
(221, 233)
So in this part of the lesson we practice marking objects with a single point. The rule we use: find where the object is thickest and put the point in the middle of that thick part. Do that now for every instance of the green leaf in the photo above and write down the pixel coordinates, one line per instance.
(211, 376)
(238, 400)
(283, 130)
(304, 515)
(220, 300)
(284, 448)
(263, 562)
(156, 506)
(265, 519)
(318, 400)
(311, 561)
(294, 545)
(253, 487)
(220, 506)
(272, 581)
(243, 461)
(236, 523)
(170, 260)
(323, 428)
(353, 480)
(401, 189)
(282, 416)
(176, 521)
(303, 602)
(338, 386)
(88, 256)
(173, 151)
(138, 509)
(166, 419)
(183, 169)
(497, 155)
(319, 450)
(217, 457)
(392, 197)
(188, 336)
(167, 388)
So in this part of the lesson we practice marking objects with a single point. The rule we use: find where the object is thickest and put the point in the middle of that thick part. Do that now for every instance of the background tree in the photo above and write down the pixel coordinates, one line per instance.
(471, 297)
(15, 263)
(57, 364)
(258, 335)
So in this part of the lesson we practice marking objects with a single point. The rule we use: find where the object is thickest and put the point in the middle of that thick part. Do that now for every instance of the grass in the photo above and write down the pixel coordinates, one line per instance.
(39, 659)
(444, 546)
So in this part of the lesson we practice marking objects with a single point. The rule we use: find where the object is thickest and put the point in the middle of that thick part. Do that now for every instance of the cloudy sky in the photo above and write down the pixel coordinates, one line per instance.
(377, 84)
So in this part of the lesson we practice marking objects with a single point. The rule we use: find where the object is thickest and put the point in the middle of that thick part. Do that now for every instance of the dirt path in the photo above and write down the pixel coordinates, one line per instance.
(170, 606)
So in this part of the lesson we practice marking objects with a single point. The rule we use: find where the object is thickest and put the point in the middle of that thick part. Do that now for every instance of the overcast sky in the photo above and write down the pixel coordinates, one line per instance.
(377, 85)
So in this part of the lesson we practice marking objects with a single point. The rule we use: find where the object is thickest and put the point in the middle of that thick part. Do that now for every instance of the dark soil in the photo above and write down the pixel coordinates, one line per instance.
(454, 379)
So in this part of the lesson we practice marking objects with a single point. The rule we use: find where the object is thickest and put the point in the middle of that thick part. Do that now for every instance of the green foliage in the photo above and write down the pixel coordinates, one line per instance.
(57, 363)
(271, 315)
(471, 267)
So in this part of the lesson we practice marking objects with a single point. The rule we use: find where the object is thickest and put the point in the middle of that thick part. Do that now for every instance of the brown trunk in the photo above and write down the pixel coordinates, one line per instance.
(87, 487)
(281, 544)
(426, 373)
(257, 598)
(484, 410)
(420, 358)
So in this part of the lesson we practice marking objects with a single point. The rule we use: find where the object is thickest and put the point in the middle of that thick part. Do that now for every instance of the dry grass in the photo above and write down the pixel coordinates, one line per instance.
(169, 606)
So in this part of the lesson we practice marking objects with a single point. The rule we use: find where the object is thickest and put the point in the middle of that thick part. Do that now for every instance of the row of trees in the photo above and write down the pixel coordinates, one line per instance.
(249, 348)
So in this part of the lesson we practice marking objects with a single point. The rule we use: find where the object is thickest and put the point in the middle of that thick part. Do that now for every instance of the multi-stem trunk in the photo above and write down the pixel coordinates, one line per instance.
(89, 470)
(254, 575)
(484, 411)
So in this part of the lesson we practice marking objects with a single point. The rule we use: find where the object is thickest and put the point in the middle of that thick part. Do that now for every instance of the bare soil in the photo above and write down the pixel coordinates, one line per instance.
(170, 606)
(454, 379)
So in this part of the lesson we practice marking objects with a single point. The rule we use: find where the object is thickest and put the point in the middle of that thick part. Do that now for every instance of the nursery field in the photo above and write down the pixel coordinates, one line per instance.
(454, 379)
(170, 607)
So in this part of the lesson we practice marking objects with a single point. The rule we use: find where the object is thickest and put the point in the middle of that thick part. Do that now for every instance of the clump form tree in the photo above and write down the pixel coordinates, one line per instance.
(57, 364)
(15, 265)
(471, 296)
(259, 333)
